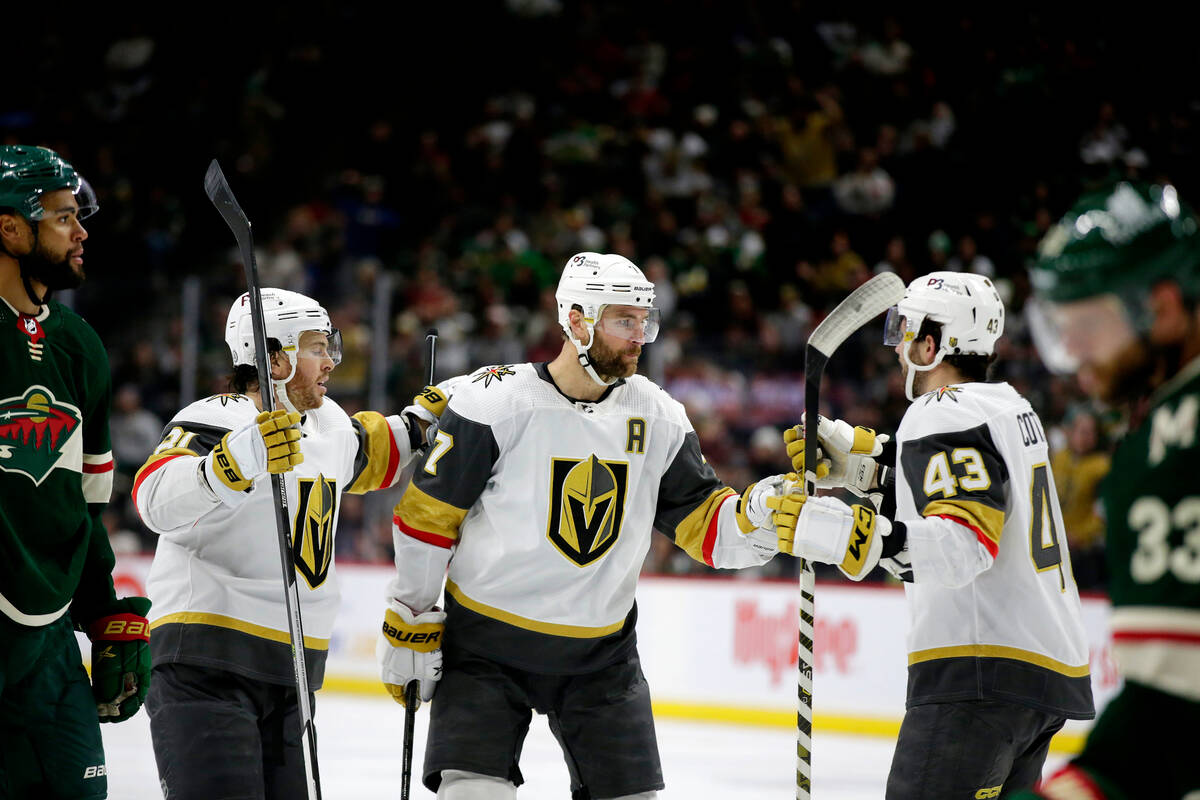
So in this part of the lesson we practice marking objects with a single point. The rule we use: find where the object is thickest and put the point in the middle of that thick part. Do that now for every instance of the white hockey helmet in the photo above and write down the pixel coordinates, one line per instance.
(592, 281)
(286, 315)
(965, 304)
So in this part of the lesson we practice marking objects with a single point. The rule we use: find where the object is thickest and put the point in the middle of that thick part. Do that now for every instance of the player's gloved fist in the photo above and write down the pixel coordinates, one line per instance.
(120, 658)
(269, 444)
(410, 648)
(850, 452)
(793, 440)
(426, 409)
(767, 510)
(850, 536)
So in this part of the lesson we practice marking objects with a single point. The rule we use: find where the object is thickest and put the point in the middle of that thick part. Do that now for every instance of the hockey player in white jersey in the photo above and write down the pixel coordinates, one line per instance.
(997, 654)
(540, 494)
(223, 708)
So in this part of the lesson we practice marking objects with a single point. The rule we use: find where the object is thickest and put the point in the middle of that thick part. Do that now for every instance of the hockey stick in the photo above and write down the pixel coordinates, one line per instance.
(412, 692)
(222, 197)
(861, 306)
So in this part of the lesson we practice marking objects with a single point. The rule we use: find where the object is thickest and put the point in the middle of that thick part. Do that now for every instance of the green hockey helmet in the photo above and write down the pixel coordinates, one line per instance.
(1095, 267)
(1124, 236)
(27, 173)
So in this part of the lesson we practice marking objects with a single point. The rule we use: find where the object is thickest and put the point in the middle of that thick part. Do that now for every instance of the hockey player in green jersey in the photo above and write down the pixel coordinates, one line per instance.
(997, 653)
(55, 478)
(1117, 287)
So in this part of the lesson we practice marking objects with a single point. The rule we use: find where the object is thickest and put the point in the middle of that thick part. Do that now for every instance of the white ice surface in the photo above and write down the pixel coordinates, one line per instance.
(360, 742)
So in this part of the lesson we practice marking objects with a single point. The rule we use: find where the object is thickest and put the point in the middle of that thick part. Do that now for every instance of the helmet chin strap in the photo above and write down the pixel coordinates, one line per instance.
(280, 387)
(585, 361)
(913, 369)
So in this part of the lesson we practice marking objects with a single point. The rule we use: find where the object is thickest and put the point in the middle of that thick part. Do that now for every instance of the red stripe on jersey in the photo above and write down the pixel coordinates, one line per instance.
(393, 460)
(422, 536)
(145, 473)
(992, 547)
(1162, 636)
(107, 466)
(710, 536)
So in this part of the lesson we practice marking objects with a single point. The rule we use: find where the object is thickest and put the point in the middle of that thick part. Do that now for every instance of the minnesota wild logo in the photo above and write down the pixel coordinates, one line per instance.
(35, 431)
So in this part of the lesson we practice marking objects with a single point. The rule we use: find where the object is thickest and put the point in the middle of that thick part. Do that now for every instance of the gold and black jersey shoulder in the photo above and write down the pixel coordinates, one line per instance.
(689, 497)
(959, 474)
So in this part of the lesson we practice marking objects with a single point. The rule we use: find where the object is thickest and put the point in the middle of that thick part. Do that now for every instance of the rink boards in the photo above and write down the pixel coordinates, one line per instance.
(723, 648)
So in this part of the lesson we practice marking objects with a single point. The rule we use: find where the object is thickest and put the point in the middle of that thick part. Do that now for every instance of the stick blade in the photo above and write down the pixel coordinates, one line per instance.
(218, 191)
(858, 308)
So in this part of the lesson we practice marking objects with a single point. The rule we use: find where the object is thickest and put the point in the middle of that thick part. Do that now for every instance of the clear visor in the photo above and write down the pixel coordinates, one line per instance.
(630, 323)
(85, 199)
(322, 347)
(894, 327)
(1089, 331)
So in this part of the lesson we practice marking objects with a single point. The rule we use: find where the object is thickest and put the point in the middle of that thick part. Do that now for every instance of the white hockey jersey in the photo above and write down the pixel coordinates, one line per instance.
(547, 505)
(994, 609)
(216, 579)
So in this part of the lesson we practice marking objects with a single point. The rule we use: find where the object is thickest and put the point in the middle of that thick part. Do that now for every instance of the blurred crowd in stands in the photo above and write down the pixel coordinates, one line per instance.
(758, 160)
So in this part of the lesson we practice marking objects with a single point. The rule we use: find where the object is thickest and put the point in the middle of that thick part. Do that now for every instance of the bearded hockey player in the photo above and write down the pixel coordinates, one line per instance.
(55, 479)
(223, 663)
(998, 657)
(540, 494)
(1117, 284)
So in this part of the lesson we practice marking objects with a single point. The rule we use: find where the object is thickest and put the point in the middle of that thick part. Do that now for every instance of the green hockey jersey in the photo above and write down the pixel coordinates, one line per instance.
(55, 467)
(1152, 505)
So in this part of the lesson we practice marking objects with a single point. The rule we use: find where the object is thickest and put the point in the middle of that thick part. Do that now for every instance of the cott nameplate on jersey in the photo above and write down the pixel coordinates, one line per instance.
(34, 431)
(587, 504)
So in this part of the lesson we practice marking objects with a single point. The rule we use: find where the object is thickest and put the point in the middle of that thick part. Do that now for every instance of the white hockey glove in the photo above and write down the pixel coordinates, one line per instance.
(845, 454)
(270, 444)
(850, 536)
(766, 507)
(410, 648)
(899, 566)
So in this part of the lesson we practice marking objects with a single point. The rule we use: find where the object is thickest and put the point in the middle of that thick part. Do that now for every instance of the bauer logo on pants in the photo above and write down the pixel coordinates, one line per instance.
(587, 504)
(312, 533)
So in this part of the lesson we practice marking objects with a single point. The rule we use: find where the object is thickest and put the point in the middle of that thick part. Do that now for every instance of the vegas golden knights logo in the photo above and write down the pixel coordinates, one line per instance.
(312, 533)
(587, 504)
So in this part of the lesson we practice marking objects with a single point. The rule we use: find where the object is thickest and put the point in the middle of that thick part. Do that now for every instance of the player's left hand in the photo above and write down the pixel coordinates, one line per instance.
(767, 510)
(846, 454)
(832, 532)
(120, 658)
(427, 408)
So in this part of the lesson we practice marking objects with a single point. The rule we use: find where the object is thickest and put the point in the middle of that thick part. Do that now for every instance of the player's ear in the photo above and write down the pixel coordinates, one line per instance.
(12, 231)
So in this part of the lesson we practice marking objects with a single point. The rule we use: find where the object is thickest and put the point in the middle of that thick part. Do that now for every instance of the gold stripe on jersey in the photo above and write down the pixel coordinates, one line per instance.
(159, 456)
(428, 519)
(552, 628)
(692, 533)
(382, 458)
(998, 651)
(987, 520)
(229, 623)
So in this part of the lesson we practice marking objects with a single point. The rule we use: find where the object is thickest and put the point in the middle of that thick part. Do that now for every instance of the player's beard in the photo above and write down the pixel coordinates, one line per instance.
(304, 397)
(610, 363)
(55, 273)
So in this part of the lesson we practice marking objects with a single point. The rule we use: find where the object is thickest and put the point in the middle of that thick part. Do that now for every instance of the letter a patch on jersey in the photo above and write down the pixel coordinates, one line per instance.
(312, 533)
(587, 504)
